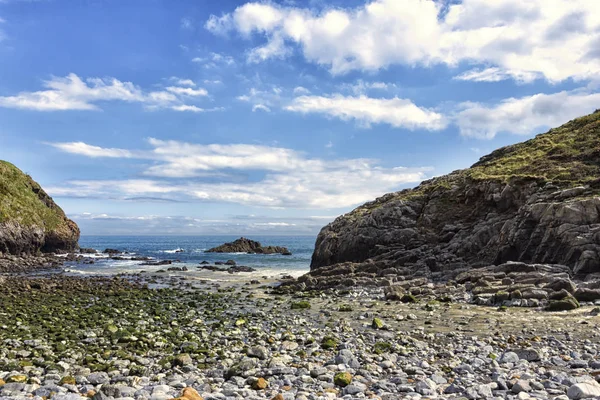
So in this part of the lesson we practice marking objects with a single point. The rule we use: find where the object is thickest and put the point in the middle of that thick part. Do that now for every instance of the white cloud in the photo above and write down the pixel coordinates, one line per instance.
(72, 93)
(494, 74)
(186, 91)
(262, 99)
(260, 107)
(185, 107)
(85, 149)
(275, 48)
(289, 180)
(524, 115)
(301, 90)
(399, 113)
(183, 82)
(556, 39)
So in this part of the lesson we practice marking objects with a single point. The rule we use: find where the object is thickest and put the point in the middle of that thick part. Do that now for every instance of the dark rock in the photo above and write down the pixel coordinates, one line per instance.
(583, 294)
(561, 284)
(176, 269)
(232, 270)
(111, 251)
(230, 262)
(561, 294)
(393, 293)
(87, 251)
(539, 211)
(161, 262)
(240, 268)
(566, 304)
(243, 245)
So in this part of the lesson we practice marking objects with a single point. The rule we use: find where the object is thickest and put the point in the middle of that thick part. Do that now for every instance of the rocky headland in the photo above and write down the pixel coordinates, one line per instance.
(535, 202)
(243, 245)
(30, 221)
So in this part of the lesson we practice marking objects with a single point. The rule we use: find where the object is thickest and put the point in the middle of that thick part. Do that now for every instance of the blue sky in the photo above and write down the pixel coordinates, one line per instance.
(204, 117)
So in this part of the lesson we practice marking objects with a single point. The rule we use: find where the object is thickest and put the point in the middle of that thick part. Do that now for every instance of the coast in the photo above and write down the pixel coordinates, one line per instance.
(154, 335)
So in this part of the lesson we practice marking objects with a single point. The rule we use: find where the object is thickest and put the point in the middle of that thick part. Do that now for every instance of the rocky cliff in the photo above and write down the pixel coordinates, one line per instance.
(534, 202)
(30, 221)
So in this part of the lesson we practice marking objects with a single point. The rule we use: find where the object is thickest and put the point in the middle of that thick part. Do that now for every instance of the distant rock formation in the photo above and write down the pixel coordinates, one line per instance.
(533, 202)
(243, 245)
(30, 221)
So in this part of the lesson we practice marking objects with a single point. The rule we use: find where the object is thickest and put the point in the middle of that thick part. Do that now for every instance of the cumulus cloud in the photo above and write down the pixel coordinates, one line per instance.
(399, 113)
(288, 179)
(555, 39)
(524, 115)
(73, 93)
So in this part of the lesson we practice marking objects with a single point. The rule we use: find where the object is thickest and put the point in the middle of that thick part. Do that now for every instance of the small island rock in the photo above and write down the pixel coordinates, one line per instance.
(243, 245)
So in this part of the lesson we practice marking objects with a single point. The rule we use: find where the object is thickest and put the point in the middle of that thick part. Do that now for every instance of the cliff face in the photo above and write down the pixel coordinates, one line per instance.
(535, 202)
(30, 221)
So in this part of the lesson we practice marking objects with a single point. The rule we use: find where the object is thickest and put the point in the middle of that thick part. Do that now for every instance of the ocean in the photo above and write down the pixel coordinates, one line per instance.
(190, 251)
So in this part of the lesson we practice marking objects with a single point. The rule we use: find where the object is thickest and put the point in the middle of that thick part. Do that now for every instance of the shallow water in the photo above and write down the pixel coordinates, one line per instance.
(190, 250)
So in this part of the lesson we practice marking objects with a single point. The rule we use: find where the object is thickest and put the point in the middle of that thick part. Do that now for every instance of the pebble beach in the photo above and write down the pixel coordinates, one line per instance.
(164, 336)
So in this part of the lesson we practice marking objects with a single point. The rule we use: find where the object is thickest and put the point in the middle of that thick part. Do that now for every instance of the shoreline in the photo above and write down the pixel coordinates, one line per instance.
(150, 336)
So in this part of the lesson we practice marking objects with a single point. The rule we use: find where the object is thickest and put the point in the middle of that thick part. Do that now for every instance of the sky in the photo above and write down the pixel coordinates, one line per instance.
(274, 117)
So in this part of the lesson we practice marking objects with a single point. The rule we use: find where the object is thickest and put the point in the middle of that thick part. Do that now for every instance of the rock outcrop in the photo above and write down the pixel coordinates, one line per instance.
(30, 221)
(243, 245)
(535, 202)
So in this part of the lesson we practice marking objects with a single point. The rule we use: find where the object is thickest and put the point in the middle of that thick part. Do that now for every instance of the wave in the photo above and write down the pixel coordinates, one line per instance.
(177, 250)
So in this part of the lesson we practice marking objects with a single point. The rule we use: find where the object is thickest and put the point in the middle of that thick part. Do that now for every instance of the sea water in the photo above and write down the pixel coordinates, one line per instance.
(190, 251)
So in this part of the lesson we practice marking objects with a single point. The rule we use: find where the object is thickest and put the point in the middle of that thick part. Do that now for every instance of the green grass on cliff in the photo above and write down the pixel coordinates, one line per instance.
(568, 155)
(24, 201)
